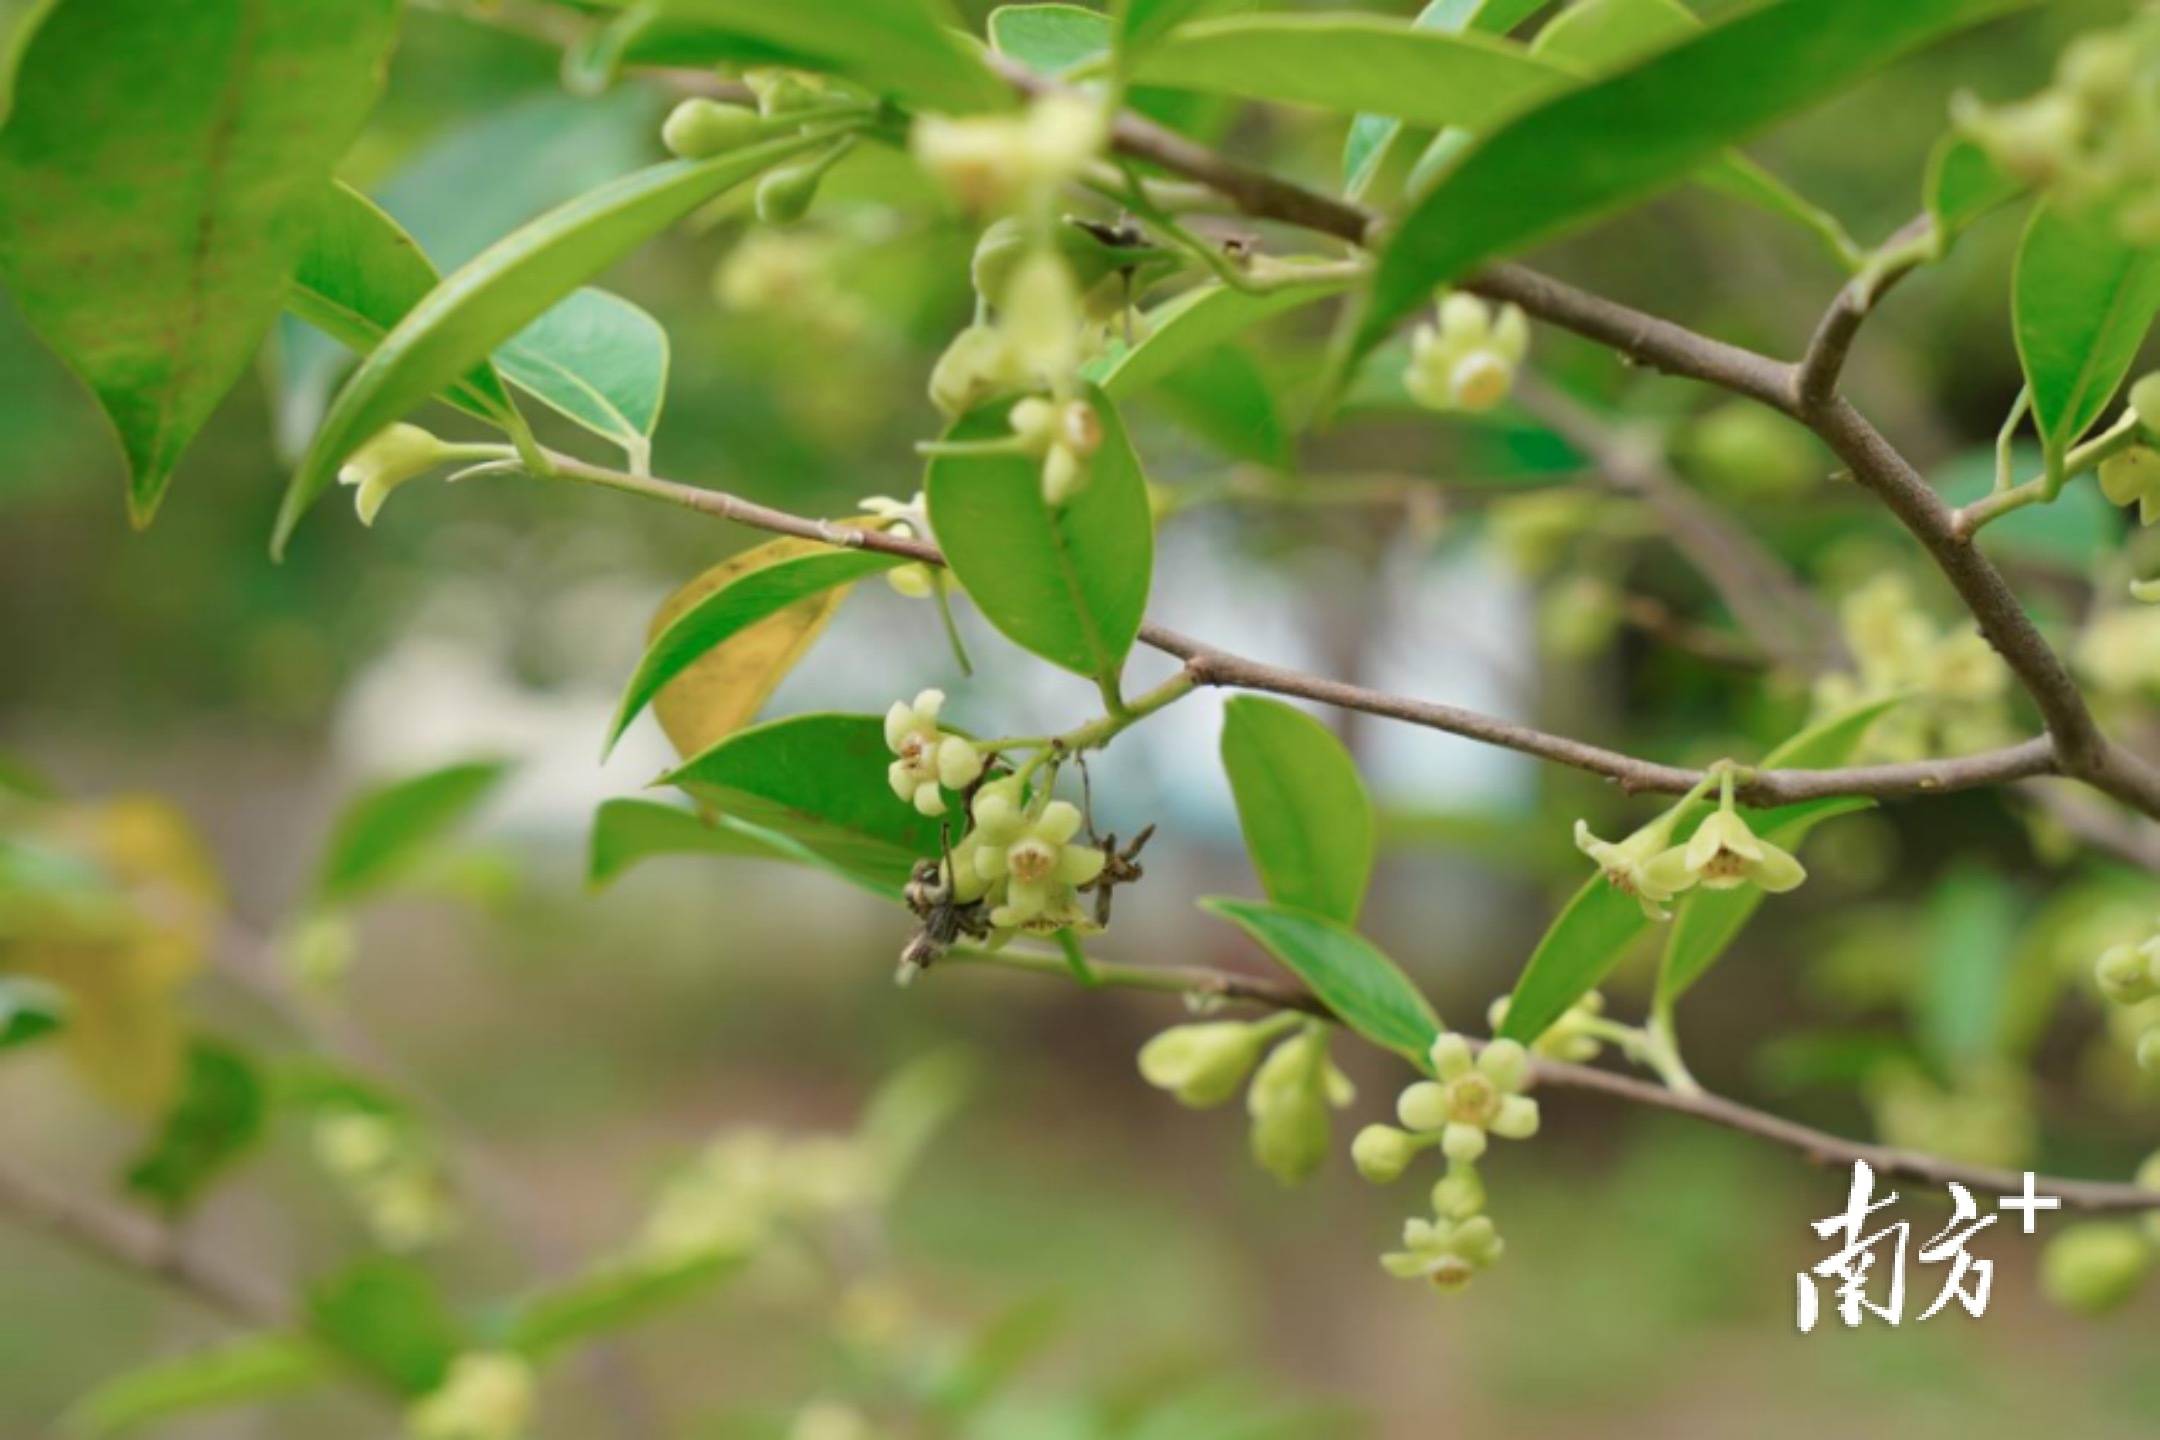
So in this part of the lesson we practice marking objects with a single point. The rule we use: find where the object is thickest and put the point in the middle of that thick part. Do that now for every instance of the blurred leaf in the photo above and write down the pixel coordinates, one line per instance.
(775, 580)
(1140, 23)
(1973, 924)
(820, 781)
(18, 19)
(913, 1104)
(1350, 63)
(384, 830)
(388, 1317)
(1363, 987)
(360, 274)
(1050, 39)
(2082, 301)
(1182, 330)
(1828, 1059)
(994, 1356)
(599, 360)
(1307, 820)
(259, 1367)
(21, 779)
(218, 1118)
(1069, 582)
(722, 690)
(1706, 922)
(1589, 151)
(159, 174)
(1371, 136)
(501, 291)
(611, 1300)
(1596, 928)
(1962, 186)
(905, 48)
(1224, 398)
(628, 831)
(29, 1010)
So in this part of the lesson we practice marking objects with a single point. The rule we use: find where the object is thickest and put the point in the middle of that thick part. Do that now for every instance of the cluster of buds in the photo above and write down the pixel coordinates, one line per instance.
(2099, 1265)
(2129, 977)
(1293, 1088)
(1470, 1098)
(390, 1175)
(790, 277)
(927, 758)
(1066, 434)
(906, 520)
(1467, 361)
(1724, 853)
(486, 1396)
(993, 164)
(2092, 137)
(732, 1196)
(1953, 688)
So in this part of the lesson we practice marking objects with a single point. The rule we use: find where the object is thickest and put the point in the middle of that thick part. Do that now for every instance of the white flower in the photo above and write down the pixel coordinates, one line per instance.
(1444, 1251)
(1469, 359)
(1628, 866)
(1030, 853)
(928, 756)
(397, 454)
(1724, 854)
(1471, 1098)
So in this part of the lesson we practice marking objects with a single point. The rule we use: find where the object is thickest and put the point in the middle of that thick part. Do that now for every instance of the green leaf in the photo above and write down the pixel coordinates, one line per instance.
(628, 831)
(1050, 39)
(1964, 990)
(501, 291)
(1592, 150)
(19, 19)
(259, 1367)
(820, 781)
(1227, 400)
(1181, 330)
(1962, 186)
(360, 275)
(726, 612)
(1706, 922)
(1364, 988)
(611, 1300)
(217, 1119)
(159, 174)
(2082, 301)
(904, 48)
(1140, 23)
(599, 360)
(1596, 928)
(1350, 63)
(388, 1317)
(1372, 136)
(1307, 820)
(386, 829)
(1069, 583)
(29, 1010)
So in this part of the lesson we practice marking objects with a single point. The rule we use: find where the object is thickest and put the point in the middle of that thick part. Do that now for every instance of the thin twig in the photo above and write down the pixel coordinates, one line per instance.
(1819, 1146)
(137, 1243)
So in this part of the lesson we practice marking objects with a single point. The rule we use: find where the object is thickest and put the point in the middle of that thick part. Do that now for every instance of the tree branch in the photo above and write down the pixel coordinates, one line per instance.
(1818, 1146)
(130, 1241)
(1209, 665)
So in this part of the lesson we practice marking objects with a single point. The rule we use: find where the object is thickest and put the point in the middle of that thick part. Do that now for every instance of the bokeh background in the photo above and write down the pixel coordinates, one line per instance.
(588, 1039)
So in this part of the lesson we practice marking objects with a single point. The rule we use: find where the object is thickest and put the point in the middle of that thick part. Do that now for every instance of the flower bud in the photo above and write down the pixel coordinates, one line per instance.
(782, 92)
(1203, 1064)
(1041, 317)
(1746, 450)
(699, 128)
(2145, 400)
(397, 454)
(1382, 1152)
(2094, 1267)
(1289, 1103)
(1064, 475)
(784, 195)
(485, 1397)
(2125, 974)
(2132, 477)
(1459, 1194)
(977, 365)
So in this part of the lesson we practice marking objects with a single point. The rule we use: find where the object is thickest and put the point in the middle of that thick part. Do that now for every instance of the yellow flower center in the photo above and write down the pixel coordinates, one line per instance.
(1472, 1100)
(1031, 860)
(1726, 865)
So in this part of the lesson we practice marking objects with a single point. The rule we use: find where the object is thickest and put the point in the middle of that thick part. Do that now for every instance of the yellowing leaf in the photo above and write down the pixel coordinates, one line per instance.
(724, 690)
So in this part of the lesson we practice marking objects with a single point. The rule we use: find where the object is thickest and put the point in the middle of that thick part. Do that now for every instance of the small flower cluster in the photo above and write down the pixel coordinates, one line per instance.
(2129, 977)
(486, 1396)
(927, 756)
(791, 277)
(1293, 1088)
(390, 1175)
(1467, 361)
(1722, 854)
(994, 164)
(732, 1197)
(1470, 1098)
(2093, 137)
(1953, 687)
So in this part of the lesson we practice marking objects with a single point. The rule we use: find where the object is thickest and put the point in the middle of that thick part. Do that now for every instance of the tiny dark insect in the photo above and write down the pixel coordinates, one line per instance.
(945, 920)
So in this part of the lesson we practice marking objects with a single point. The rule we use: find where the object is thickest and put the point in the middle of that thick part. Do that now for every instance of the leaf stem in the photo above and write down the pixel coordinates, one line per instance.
(2045, 487)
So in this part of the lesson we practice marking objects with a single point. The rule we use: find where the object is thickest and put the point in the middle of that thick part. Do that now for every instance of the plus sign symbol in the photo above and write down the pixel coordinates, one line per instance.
(2030, 1203)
